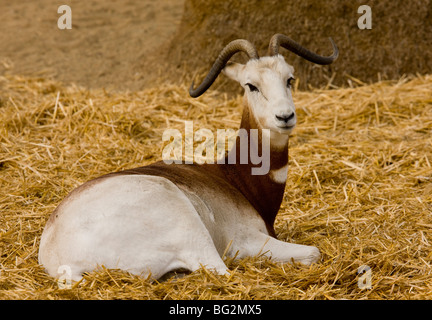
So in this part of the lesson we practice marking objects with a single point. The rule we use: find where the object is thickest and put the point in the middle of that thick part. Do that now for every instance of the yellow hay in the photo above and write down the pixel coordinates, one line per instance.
(359, 186)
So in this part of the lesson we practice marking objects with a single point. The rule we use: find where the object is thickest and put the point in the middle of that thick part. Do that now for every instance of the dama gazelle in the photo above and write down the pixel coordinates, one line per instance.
(163, 217)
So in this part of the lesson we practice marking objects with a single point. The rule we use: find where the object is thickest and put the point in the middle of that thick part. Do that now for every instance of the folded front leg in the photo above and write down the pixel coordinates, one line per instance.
(262, 244)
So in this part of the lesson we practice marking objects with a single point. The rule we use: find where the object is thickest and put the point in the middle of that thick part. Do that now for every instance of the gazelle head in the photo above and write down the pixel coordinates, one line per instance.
(267, 80)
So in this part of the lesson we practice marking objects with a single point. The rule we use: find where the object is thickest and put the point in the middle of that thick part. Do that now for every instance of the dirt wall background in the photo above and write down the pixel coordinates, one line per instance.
(399, 42)
(133, 44)
(108, 44)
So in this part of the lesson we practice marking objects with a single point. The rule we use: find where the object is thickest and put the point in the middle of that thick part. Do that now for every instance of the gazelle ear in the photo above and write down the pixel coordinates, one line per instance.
(233, 70)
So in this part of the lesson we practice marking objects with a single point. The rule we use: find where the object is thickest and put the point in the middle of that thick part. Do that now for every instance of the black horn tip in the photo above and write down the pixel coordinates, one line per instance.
(192, 92)
(335, 54)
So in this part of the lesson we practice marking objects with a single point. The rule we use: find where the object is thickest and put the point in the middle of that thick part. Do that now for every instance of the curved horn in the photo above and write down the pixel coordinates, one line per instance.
(282, 40)
(232, 48)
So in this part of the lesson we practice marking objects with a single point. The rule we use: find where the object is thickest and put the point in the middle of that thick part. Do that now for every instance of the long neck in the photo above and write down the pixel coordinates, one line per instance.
(262, 183)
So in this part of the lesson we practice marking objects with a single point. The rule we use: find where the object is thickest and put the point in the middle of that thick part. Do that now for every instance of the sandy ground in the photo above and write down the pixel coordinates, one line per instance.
(108, 45)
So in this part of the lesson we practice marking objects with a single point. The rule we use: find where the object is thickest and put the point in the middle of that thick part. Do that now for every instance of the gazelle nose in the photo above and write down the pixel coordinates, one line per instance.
(285, 118)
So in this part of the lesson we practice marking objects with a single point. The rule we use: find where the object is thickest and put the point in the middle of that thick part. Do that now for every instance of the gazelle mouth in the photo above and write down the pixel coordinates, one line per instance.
(286, 127)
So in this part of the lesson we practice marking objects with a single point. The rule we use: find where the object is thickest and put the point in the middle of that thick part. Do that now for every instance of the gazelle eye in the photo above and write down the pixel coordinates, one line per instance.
(252, 88)
(290, 82)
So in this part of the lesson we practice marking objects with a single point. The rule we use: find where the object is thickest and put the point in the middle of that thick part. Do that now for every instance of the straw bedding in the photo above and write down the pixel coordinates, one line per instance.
(359, 186)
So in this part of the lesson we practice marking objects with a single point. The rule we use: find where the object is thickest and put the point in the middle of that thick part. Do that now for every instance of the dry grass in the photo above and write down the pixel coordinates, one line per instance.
(360, 186)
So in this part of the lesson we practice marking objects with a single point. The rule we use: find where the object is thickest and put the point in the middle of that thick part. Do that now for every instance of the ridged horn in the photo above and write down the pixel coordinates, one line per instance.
(280, 40)
(231, 49)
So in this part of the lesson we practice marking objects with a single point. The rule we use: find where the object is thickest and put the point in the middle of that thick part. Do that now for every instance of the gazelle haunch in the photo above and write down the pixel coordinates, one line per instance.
(164, 217)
